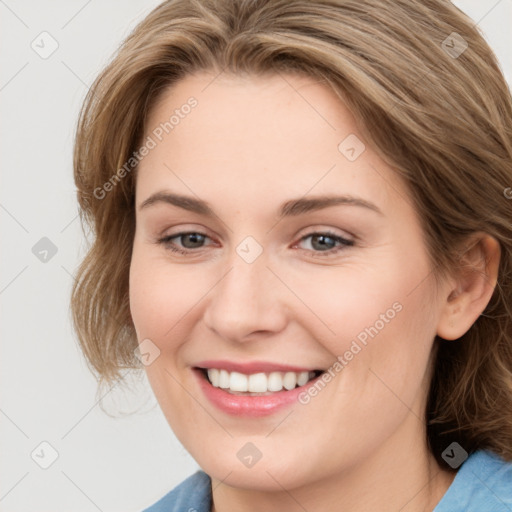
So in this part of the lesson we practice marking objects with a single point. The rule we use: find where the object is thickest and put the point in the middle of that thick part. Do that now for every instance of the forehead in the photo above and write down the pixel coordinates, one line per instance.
(276, 135)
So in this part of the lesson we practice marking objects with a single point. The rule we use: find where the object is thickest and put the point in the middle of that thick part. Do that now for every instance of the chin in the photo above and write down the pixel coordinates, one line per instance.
(264, 476)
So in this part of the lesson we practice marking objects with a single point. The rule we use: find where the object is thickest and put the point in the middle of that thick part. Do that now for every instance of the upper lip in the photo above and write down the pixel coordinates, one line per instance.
(249, 368)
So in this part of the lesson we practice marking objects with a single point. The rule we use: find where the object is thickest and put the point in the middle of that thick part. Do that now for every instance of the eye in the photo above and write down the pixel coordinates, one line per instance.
(190, 240)
(324, 243)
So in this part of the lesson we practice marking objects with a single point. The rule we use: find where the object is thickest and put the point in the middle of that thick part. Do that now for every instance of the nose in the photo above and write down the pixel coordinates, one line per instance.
(249, 301)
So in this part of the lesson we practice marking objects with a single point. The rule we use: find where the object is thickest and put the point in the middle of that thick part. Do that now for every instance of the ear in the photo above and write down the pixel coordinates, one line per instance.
(471, 288)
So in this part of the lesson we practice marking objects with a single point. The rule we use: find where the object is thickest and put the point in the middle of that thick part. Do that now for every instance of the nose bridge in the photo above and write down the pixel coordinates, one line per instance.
(245, 300)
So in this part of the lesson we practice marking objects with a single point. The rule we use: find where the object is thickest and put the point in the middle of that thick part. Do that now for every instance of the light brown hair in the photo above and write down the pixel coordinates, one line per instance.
(442, 120)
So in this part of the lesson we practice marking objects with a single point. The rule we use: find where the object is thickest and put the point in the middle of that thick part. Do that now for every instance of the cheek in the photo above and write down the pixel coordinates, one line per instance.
(160, 294)
(162, 299)
(377, 320)
(166, 303)
(355, 301)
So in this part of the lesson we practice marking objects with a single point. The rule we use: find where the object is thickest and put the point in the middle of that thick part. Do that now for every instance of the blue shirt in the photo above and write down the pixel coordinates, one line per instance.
(482, 484)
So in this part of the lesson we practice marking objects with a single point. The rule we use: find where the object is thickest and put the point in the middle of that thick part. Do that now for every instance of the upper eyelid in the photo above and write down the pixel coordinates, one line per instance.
(314, 229)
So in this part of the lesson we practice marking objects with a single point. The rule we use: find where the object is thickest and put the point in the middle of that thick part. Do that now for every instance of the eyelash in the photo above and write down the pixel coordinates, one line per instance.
(166, 241)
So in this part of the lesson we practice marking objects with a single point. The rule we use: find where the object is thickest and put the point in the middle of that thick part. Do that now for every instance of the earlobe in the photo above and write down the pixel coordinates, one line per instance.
(471, 288)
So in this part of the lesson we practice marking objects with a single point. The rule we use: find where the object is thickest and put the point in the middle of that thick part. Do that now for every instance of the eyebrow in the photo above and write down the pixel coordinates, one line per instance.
(290, 208)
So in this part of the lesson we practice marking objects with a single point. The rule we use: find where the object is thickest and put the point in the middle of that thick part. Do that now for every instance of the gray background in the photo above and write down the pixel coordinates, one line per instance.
(104, 463)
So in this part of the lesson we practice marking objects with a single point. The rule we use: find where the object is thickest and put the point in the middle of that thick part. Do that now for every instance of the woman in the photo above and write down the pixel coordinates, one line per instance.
(302, 233)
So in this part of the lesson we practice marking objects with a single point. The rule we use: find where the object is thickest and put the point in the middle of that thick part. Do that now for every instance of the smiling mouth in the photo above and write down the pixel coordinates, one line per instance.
(257, 384)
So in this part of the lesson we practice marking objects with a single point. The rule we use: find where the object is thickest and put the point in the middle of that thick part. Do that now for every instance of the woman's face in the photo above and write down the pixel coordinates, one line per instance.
(274, 278)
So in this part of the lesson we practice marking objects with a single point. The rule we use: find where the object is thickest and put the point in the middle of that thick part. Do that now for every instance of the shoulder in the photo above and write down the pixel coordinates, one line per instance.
(191, 495)
(482, 484)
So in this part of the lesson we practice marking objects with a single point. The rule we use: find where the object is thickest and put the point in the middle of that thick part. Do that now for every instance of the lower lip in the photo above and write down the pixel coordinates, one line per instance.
(246, 405)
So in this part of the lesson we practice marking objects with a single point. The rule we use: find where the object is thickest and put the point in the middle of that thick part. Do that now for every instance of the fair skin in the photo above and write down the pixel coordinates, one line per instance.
(248, 146)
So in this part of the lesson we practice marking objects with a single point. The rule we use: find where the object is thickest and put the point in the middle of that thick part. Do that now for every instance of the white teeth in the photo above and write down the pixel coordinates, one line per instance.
(275, 381)
(223, 379)
(257, 382)
(213, 375)
(302, 378)
(238, 381)
(289, 380)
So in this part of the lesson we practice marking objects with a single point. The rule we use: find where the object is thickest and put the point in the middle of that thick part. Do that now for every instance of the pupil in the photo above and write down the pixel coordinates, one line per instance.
(195, 237)
(323, 238)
